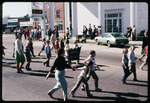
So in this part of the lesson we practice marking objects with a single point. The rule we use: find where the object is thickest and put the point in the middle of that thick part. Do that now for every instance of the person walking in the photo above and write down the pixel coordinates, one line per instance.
(82, 79)
(67, 33)
(59, 64)
(19, 56)
(94, 32)
(25, 36)
(31, 47)
(28, 57)
(144, 44)
(32, 33)
(47, 52)
(53, 39)
(125, 66)
(146, 59)
(132, 64)
(49, 33)
(62, 45)
(27, 33)
(44, 43)
(92, 70)
(57, 46)
(67, 47)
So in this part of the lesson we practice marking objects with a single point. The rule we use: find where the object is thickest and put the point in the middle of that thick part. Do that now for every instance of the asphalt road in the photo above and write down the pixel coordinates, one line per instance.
(32, 85)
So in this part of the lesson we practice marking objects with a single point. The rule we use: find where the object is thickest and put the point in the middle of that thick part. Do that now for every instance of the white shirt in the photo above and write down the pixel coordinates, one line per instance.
(19, 46)
(83, 72)
(53, 38)
(91, 59)
(131, 57)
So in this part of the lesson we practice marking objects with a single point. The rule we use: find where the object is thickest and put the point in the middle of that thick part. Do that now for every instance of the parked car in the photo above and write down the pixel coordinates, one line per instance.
(112, 39)
(7, 31)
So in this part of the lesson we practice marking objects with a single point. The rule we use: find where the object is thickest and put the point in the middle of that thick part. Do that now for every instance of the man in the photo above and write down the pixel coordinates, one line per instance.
(94, 31)
(92, 70)
(132, 64)
(84, 32)
(49, 33)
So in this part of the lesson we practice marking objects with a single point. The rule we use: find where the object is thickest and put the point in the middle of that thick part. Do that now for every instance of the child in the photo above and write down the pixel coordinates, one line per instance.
(47, 52)
(44, 42)
(82, 78)
(28, 57)
(132, 64)
(75, 43)
(125, 67)
(62, 43)
(67, 47)
(31, 47)
(57, 46)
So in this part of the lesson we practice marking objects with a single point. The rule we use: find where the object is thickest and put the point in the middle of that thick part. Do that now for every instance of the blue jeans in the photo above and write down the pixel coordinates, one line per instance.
(126, 73)
(61, 83)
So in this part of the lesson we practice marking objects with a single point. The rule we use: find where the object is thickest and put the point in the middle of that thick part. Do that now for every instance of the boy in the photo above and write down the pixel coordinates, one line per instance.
(47, 52)
(82, 79)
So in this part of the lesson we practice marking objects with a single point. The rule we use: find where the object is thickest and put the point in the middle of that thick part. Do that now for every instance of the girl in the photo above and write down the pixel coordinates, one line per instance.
(44, 42)
(125, 67)
(59, 64)
(28, 57)
(75, 43)
(57, 46)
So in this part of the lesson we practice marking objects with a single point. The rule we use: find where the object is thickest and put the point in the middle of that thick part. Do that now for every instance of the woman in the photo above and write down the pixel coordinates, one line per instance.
(59, 65)
(19, 56)
(125, 67)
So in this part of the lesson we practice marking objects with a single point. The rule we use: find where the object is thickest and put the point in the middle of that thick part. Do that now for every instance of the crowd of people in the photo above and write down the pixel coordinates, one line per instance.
(60, 46)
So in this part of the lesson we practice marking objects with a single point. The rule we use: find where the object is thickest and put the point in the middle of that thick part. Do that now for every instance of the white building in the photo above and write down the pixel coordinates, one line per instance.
(113, 16)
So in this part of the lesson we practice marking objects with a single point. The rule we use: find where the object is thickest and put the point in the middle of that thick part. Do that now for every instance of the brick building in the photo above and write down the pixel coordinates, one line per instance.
(59, 15)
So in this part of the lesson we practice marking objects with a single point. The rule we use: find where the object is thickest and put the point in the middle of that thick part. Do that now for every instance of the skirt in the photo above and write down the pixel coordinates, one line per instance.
(19, 58)
(143, 52)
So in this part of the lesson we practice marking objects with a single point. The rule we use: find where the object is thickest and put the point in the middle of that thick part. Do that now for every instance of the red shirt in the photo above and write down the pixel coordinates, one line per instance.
(146, 50)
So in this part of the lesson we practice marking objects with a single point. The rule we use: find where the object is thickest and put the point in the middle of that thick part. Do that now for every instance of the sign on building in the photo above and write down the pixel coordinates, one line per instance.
(26, 24)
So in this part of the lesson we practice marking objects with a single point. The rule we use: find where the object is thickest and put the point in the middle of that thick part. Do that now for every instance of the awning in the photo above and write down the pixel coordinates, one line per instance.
(11, 26)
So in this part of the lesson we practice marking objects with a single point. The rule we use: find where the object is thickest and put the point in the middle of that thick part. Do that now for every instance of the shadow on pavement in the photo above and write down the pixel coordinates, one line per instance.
(118, 96)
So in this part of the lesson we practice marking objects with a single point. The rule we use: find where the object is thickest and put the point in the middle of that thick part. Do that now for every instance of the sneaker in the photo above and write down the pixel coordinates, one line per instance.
(21, 71)
(89, 95)
(98, 89)
(82, 88)
(50, 95)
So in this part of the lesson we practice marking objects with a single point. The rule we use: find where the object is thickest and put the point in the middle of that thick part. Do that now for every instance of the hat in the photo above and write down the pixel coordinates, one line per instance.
(92, 52)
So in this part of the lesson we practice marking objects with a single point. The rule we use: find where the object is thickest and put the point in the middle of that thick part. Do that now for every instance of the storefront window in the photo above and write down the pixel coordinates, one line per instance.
(113, 22)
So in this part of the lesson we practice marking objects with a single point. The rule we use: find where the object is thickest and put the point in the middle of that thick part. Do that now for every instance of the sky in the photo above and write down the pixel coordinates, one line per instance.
(15, 9)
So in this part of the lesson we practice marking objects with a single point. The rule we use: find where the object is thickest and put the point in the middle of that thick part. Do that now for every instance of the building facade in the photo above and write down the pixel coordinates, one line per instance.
(113, 17)
(58, 15)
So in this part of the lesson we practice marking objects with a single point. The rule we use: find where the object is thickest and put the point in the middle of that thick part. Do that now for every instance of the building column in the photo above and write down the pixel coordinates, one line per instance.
(74, 20)
(51, 15)
(100, 13)
(43, 26)
(132, 14)
(67, 15)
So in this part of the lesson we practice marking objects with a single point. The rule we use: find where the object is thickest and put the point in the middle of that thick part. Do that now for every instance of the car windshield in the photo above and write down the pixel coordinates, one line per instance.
(116, 35)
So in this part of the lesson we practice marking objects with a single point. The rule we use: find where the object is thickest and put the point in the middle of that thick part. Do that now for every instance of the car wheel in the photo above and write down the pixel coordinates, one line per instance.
(108, 44)
(97, 42)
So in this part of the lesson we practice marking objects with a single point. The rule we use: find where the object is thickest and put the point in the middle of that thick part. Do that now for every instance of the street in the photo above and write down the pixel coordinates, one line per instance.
(32, 85)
